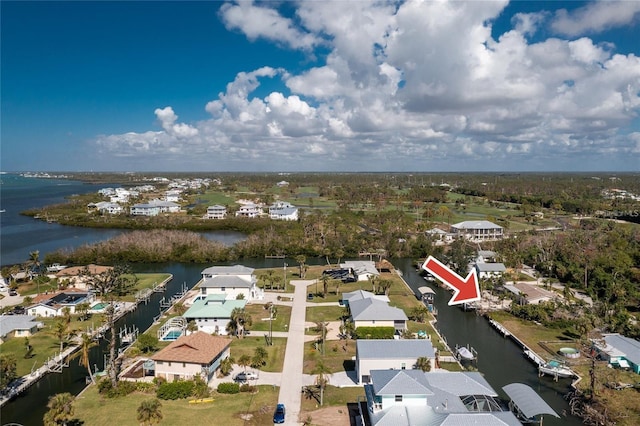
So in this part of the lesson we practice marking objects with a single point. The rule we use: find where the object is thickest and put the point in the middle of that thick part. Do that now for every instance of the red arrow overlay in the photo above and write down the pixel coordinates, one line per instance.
(464, 290)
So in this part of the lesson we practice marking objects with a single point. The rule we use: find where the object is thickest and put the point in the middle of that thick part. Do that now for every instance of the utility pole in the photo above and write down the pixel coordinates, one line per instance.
(284, 281)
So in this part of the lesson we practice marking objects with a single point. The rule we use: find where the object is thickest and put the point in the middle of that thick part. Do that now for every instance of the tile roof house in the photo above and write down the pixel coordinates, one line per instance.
(18, 326)
(231, 281)
(212, 313)
(382, 354)
(413, 397)
(198, 354)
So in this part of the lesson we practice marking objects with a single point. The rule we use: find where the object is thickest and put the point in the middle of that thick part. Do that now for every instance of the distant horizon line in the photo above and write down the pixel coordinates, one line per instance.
(325, 172)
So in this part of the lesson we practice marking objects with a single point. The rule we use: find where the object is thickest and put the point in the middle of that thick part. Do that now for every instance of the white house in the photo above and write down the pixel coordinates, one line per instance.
(53, 305)
(18, 326)
(477, 230)
(249, 210)
(620, 351)
(231, 281)
(387, 354)
(362, 294)
(490, 270)
(413, 397)
(198, 354)
(212, 313)
(283, 211)
(370, 312)
(216, 212)
(172, 195)
(363, 269)
(154, 208)
(106, 207)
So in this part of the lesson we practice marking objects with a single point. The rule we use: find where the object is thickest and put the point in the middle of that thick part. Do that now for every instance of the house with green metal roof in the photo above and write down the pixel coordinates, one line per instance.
(212, 313)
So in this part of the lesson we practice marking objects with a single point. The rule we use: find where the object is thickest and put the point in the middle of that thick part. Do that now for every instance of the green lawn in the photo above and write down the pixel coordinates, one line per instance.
(333, 396)
(216, 198)
(92, 409)
(260, 317)
(337, 356)
(324, 313)
(248, 345)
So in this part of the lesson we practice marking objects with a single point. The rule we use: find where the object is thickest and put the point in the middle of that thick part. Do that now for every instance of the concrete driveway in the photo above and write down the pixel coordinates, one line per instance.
(10, 300)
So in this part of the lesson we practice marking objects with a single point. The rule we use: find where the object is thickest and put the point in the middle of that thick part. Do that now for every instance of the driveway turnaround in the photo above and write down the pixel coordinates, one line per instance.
(292, 377)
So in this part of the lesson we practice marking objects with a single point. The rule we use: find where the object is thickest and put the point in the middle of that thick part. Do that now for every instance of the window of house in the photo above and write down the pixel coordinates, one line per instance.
(398, 398)
(169, 364)
(184, 364)
(404, 366)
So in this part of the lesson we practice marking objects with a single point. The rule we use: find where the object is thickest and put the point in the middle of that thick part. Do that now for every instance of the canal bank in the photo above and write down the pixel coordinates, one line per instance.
(500, 359)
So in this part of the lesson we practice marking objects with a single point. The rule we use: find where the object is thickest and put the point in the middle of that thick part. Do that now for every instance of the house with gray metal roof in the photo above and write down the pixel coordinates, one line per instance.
(370, 312)
(490, 270)
(620, 351)
(477, 230)
(230, 281)
(391, 354)
(18, 326)
(414, 397)
(362, 294)
(363, 269)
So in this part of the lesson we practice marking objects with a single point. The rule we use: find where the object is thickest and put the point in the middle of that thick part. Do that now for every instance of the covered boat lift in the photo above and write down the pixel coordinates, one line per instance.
(527, 404)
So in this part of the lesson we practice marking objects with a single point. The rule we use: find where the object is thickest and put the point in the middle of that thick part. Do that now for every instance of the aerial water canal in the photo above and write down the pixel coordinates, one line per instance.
(499, 359)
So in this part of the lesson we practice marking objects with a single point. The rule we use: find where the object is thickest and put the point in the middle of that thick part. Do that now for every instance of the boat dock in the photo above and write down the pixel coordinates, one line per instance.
(500, 328)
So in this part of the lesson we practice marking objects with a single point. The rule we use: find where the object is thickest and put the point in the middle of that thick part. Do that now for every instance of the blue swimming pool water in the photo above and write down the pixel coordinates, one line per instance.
(172, 335)
(99, 306)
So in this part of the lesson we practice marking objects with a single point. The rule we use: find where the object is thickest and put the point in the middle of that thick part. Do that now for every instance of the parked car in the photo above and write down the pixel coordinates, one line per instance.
(246, 375)
(13, 293)
(278, 416)
(310, 296)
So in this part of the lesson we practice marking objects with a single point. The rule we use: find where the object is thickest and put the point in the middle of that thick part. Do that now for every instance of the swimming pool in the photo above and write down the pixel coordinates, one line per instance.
(99, 306)
(172, 335)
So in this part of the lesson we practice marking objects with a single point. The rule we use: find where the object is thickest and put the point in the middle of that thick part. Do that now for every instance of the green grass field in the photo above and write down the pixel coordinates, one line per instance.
(248, 345)
(259, 314)
(256, 409)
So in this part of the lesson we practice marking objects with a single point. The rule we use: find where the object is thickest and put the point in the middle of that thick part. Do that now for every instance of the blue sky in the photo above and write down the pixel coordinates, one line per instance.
(320, 86)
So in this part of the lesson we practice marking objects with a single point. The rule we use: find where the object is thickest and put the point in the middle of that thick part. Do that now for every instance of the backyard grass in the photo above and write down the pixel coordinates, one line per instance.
(333, 396)
(337, 356)
(239, 409)
(324, 313)
(44, 343)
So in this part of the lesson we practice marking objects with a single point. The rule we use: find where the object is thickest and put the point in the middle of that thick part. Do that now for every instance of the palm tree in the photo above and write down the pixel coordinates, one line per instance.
(60, 409)
(82, 309)
(149, 412)
(301, 259)
(423, 363)
(322, 378)
(86, 343)
(60, 331)
(325, 284)
(238, 322)
(33, 264)
(192, 327)
(244, 361)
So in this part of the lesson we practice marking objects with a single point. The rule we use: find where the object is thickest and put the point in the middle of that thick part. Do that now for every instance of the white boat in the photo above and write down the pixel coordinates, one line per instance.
(56, 267)
(556, 369)
(464, 353)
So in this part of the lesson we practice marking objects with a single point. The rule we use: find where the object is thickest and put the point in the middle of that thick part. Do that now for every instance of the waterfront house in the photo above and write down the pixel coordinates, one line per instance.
(371, 312)
(18, 326)
(530, 293)
(154, 208)
(361, 294)
(76, 276)
(212, 313)
(619, 351)
(414, 397)
(282, 210)
(198, 354)
(490, 270)
(105, 207)
(232, 281)
(216, 212)
(363, 269)
(249, 210)
(386, 354)
(477, 230)
(54, 304)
